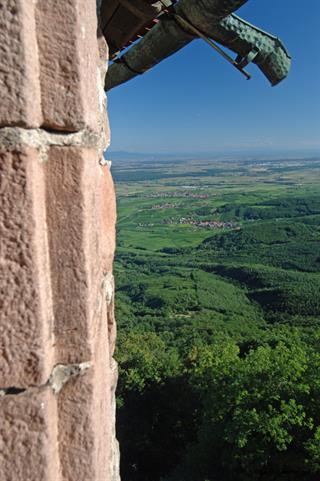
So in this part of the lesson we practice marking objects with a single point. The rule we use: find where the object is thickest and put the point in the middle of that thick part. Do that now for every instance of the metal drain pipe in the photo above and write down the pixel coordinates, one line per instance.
(214, 19)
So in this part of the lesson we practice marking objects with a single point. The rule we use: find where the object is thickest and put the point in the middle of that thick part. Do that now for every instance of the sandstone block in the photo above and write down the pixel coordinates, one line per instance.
(25, 299)
(109, 217)
(68, 56)
(28, 437)
(81, 218)
(81, 243)
(19, 69)
(85, 420)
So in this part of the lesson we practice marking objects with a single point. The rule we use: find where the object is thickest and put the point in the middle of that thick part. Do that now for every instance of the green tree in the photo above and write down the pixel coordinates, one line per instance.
(259, 414)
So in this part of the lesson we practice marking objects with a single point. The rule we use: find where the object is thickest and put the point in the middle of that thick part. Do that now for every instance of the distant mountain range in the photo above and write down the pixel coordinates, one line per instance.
(119, 155)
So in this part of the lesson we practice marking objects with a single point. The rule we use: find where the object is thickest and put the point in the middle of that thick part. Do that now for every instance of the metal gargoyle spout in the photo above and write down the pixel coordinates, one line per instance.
(213, 21)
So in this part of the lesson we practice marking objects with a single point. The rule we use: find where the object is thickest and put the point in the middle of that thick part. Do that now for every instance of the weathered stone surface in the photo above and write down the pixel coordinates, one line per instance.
(28, 437)
(85, 418)
(114, 462)
(103, 67)
(62, 373)
(19, 69)
(80, 216)
(108, 217)
(25, 299)
(68, 56)
(81, 222)
(57, 222)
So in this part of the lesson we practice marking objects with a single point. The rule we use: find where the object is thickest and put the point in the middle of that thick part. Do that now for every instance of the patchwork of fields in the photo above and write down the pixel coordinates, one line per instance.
(209, 250)
(264, 269)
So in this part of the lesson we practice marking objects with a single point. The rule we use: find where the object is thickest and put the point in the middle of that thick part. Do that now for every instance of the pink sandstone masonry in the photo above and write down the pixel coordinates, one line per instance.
(57, 223)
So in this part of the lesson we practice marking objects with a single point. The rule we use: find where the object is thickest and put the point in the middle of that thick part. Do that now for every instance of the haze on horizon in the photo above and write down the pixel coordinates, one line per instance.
(196, 102)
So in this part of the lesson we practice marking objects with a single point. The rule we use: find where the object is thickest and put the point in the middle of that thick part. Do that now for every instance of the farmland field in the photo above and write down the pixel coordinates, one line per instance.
(190, 231)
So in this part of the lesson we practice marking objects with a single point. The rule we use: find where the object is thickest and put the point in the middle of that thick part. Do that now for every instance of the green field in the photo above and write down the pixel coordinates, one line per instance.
(218, 261)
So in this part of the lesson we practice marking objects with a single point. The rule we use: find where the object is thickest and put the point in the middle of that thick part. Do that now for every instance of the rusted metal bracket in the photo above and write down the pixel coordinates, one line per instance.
(239, 63)
(244, 61)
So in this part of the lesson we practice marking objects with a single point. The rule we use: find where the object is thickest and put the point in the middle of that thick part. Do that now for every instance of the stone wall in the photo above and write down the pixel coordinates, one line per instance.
(57, 221)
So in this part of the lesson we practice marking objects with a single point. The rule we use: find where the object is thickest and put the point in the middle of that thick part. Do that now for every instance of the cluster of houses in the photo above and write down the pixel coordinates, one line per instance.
(177, 193)
(164, 206)
(209, 224)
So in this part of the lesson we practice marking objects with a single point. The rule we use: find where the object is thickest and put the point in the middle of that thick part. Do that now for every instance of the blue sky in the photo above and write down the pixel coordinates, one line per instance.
(196, 102)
